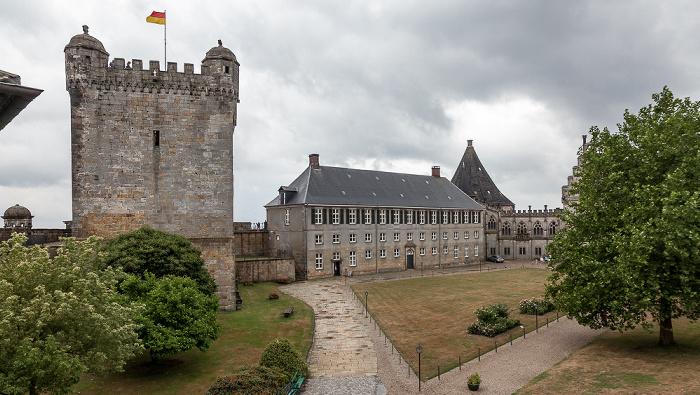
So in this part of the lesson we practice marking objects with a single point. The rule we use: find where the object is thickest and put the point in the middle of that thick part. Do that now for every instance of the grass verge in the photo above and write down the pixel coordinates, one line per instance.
(627, 363)
(244, 335)
(434, 312)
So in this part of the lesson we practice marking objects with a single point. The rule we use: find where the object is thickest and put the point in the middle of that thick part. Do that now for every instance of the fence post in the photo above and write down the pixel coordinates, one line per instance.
(438, 372)
(479, 350)
(460, 362)
(495, 344)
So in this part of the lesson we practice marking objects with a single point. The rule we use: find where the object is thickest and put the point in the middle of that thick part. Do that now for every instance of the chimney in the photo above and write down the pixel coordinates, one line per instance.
(436, 171)
(469, 143)
(313, 161)
(584, 139)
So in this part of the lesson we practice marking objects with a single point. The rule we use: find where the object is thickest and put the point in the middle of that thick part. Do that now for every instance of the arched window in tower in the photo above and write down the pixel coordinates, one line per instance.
(552, 228)
(492, 223)
(522, 228)
(505, 229)
(537, 229)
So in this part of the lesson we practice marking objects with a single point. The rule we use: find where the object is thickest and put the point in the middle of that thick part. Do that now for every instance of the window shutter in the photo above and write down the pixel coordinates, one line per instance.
(343, 213)
(325, 216)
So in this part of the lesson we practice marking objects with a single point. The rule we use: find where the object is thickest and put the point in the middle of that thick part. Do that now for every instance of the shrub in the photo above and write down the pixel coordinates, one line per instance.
(492, 320)
(544, 306)
(280, 354)
(251, 380)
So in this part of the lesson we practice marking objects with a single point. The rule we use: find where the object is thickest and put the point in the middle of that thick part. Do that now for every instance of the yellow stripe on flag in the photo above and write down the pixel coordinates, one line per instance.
(156, 17)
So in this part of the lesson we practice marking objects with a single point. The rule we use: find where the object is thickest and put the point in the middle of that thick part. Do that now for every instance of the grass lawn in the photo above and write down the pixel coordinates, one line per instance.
(628, 363)
(434, 312)
(244, 335)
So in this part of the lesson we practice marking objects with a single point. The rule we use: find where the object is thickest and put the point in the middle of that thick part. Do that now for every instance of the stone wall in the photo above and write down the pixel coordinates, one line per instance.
(267, 269)
(251, 243)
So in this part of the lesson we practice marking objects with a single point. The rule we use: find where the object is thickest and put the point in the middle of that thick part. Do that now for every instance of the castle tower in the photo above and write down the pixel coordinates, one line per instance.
(155, 147)
(18, 218)
(473, 179)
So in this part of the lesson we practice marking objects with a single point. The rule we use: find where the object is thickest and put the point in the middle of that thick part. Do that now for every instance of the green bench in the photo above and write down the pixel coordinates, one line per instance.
(293, 385)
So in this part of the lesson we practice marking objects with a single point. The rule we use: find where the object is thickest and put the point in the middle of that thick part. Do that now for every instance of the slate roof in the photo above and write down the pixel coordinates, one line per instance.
(472, 178)
(337, 186)
(13, 97)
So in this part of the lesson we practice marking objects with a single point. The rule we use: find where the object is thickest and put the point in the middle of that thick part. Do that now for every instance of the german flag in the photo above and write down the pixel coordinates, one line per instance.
(156, 17)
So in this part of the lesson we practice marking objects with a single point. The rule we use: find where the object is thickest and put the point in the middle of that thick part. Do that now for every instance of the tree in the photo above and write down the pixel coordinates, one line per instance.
(177, 315)
(159, 253)
(631, 246)
(59, 318)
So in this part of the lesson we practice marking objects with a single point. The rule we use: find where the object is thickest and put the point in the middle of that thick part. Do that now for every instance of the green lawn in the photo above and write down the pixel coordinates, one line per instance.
(434, 312)
(243, 337)
(628, 363)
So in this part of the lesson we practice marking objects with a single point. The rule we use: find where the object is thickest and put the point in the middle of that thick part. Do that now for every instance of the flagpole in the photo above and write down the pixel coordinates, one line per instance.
(165, 41)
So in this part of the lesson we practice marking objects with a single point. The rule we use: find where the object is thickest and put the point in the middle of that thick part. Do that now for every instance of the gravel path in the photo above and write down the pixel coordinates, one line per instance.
(503, 372)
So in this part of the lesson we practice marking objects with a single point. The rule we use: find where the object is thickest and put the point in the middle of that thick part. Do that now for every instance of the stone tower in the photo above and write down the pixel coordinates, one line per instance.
(155, 147)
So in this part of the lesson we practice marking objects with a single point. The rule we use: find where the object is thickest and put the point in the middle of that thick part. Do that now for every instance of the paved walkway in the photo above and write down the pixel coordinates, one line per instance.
(343, 359)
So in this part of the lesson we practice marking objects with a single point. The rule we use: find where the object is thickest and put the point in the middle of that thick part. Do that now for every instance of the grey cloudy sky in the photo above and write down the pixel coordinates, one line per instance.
(388, 85)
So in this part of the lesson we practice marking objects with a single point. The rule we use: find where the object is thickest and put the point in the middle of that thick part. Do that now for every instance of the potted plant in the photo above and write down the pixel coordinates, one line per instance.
(273, 296)
(473, 382)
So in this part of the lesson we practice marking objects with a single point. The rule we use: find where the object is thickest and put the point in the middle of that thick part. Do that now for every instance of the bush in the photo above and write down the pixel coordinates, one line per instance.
(250, 381)
(544, 306)
(492, 320)
(280, 354)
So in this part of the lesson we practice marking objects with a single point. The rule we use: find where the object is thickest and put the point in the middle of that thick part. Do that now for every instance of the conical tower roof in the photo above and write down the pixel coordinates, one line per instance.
(473, 179)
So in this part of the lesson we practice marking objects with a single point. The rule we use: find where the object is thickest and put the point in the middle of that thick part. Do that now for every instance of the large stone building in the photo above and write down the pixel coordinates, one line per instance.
(336, 220)
(155, 147)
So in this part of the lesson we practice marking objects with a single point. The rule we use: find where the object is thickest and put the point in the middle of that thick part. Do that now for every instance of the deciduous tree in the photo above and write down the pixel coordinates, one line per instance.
(59, 318)
(631, 246)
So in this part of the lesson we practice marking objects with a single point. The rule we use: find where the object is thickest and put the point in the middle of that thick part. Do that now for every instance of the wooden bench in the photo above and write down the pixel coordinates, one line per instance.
(288, 311)
(293, 385)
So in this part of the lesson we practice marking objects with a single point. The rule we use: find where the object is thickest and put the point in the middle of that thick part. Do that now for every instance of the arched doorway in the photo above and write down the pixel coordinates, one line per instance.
(409, 259)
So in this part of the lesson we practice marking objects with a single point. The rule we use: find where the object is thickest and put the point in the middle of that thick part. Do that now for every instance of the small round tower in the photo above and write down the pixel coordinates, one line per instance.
(83, 54)
(221, 61)
(18, 217)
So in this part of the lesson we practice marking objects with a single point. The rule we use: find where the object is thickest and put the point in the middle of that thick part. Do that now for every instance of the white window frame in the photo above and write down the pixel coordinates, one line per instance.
(455, 235)
(445, 217)
(444, 235)
(466, 251)
(336, 256)
(318, 216)
(368, 217)
(336, 216)
(319, 261)
(368, 237)
(286, 217)
(353, 237)
(409, 236)
(421, 236)
(465, 217)
(382, 253)
(433, 250)
(466, 234)
(421, 217)
(368, 254)
(397, 217)
(455, 217)
(382, 237)
(421, 250)
(409, 217)
(456, 252)
(382, 217)
(336, 238)
(397, 252)
(352, 216)
(476, 217)
(318, 239)
(445, 250)
(397, 236)
(476, 250)
(353, 259)
(433, 236)
(476, 234)
(433, 217)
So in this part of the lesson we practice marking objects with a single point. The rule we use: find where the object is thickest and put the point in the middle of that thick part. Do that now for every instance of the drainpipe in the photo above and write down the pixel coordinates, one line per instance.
(376, 240)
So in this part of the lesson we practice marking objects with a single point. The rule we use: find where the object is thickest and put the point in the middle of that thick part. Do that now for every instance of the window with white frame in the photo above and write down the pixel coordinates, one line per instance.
(477, 216)
(445, 217)
(455, 236)
(336, 238)
(409, 236)
(336, 216)
(319, 239)
(433, 250)
(382, 253)
(433, 236)
(433, 217)
(368, 237)
(445, 250)
(444, 235)
(466, 234)
(421, 251)
(465, 217)
(476, 250)
(336, 256)
(382, 217)
(522, 250)
(319, 261)
(397, 216)
(421, 217)
(455, 217)
(476, 234)
(318, 216)
(466, 251)
(421, 236)
(409, 217)
(352, 216)
(286, 216)
(397, 236)
(353, 258)
(382, 237)
(456, 252)
(397, 253)
(368, 254)
(368, 217)
(352, 237)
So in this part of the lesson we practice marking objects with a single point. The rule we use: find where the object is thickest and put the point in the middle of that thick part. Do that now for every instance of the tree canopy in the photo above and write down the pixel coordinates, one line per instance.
(159, 253)
(631, 246)
(59, 318)
(177, 315)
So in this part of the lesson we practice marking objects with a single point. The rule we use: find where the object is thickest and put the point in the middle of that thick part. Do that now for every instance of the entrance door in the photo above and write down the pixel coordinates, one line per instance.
(336, 269)
(409, 259)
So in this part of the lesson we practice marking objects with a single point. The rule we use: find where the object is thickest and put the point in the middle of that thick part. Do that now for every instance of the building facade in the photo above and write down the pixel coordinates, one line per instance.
(338, 221)
(155, 147)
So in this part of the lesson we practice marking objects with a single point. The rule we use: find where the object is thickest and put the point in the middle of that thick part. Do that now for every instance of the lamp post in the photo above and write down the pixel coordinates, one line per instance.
(536, 327)
(419, 349)
(366, 305)
(523, 331)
